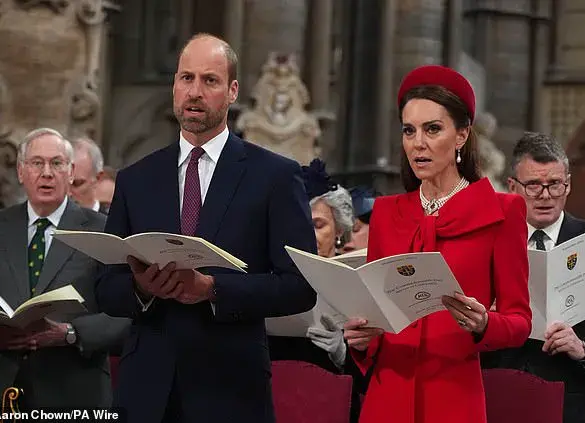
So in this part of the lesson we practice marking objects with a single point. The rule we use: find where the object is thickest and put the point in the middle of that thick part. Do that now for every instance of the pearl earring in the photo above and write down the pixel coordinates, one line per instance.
(458, 160)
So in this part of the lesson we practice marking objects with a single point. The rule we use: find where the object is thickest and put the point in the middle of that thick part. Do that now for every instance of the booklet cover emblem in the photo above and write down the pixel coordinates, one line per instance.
(406, 270)
(572, 261)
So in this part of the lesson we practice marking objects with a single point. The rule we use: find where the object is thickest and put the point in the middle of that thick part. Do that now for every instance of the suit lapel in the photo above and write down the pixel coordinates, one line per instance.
(74, 219)
(167, 193)
(15, 231)
(227, 176)
(570, 228)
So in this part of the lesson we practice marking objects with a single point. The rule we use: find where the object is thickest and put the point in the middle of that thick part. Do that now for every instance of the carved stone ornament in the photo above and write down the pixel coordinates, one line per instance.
(85, 101)
(10, 190)
(57, 6)
(278, 120)
(492, 160)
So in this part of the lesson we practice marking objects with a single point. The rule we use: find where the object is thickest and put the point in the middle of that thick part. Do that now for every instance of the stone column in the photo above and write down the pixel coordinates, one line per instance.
(510, 47)
(386, 94)
(234, 25)
(318, 68)
(321, 14)
(453, 33)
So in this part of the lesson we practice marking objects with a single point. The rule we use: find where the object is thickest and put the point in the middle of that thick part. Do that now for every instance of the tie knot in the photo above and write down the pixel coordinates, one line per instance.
(42, 223)
(196, 153)
(538, 235)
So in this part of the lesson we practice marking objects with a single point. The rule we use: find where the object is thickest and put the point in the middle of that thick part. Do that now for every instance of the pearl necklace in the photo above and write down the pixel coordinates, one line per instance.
(431, 206)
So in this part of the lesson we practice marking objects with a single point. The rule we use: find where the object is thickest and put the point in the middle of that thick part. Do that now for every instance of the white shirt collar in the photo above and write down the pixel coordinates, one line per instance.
(212, 148)
(552, 231)
(54, 217)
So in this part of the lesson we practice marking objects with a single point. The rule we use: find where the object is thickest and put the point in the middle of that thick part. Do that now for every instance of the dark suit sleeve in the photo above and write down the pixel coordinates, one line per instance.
(115, 293)
(284, 291)
(100, 332)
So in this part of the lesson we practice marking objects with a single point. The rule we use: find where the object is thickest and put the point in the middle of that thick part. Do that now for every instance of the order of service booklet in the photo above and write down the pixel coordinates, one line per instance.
(390, 293)
(61, 301)
(150, 247)
(557, 285)
(297, 324)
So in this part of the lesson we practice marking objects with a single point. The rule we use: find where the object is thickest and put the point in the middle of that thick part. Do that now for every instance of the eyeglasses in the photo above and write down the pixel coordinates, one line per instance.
(535, 189)
(57, 165)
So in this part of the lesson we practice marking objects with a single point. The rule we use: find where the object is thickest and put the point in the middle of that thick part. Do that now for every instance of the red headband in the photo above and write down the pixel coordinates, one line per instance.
(444, 77)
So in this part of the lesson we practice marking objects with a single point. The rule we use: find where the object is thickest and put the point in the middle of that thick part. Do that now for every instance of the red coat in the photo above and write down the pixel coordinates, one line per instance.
(430, 371)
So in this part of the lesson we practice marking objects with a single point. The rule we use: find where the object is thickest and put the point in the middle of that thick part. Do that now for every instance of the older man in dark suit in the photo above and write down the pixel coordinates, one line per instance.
(198, 350)
(540, 174)
(56, 363)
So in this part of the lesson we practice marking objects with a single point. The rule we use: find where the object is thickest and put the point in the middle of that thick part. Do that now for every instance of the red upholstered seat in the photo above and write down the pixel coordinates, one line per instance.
(114, 369)
(305, 393)
(514, 396)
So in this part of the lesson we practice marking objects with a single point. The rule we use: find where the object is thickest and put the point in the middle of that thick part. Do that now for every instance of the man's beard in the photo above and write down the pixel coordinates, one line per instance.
(211, 120)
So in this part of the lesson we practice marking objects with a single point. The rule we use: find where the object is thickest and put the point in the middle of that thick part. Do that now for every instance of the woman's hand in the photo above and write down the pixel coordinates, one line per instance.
(357, 335)
(468, 312)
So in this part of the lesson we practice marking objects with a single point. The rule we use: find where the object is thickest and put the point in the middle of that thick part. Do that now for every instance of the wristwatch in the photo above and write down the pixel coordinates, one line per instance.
(71, 336)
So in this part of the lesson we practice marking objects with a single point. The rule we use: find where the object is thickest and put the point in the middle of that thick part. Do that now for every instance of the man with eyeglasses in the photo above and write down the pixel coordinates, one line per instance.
(62, 362)
(540, 174)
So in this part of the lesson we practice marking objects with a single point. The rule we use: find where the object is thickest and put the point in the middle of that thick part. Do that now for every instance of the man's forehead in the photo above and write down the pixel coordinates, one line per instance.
(46, 145)
(529, 166)
(203, 52)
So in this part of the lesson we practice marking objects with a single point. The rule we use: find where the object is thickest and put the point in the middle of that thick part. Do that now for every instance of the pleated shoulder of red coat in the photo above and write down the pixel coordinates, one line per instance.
(472, 208)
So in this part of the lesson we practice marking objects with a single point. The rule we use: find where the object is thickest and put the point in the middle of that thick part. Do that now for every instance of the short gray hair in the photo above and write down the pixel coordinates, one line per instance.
(539, 147)
(39, 132)
(340, 202)
(93, 150)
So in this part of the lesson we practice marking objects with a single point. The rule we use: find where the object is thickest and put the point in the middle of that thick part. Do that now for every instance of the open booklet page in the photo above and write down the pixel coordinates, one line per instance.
(51, 304)
(353, 259)
(390, 293)
(557, 285)
(297, 324)
(151, 247)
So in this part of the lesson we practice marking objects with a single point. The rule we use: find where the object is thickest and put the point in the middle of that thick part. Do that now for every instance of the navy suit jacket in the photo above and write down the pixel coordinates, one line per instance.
(216, 364)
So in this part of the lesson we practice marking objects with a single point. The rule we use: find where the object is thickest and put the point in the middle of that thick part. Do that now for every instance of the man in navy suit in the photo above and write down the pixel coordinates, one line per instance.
(197, 350)
(540, 174)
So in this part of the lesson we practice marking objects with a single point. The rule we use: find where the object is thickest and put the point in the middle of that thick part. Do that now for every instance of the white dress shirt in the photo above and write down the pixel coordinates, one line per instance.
(54, 219)
(551, 232)
(207, 165)
(207, 162)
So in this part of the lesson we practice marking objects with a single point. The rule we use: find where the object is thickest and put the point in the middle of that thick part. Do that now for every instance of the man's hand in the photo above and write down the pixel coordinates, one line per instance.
(196, 287)
(8, 335)
(43, 334)
(561, 338)
(152, 282)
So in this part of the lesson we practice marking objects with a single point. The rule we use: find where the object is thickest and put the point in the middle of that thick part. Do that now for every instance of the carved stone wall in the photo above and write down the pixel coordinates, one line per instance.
(49, 67)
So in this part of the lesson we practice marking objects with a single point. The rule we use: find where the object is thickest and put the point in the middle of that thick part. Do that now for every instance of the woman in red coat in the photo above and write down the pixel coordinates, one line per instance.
(430, 371)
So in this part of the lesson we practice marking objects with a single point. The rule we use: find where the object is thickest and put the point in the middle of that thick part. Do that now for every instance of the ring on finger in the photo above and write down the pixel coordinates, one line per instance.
(462, 322)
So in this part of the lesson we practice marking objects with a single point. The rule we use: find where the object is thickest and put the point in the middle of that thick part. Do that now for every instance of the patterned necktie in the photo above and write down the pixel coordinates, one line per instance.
(538, 237)
(191, 194)
(36, 253)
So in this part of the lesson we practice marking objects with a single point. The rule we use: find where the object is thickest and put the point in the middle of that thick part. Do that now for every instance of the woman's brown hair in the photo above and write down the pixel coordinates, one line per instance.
(469, 166)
